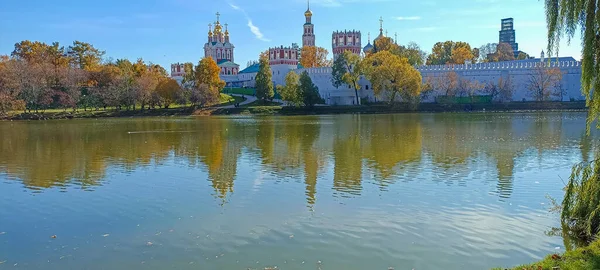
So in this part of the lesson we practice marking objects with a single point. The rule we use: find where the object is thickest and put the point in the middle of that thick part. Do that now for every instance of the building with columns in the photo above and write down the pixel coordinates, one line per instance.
(308, 38)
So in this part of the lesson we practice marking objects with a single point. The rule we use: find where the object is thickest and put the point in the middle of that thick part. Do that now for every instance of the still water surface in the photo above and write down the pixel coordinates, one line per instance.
(426, 191)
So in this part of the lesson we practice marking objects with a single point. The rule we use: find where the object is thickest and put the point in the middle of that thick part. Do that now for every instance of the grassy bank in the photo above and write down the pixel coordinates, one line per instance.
(275, 109)
(404, 108)
(586, 258)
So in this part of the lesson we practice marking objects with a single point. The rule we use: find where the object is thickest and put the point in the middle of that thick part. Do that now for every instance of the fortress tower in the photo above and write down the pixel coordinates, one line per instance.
(345, 41)
(284, 55)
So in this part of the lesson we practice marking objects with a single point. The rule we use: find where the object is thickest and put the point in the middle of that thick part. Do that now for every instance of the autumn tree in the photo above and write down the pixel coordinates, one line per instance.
(85, 55)
(442, 53)
(386, 44)
(291, 92)
(264, 54)
(504, 52)
(9, 86)
(461, 55)
(544, 82)
(310, 92)
(466, 87)
(522, 56)
(144, 86)
(264, 82)
(501, 90)
(447, 83)
(167, 89)
(392, 75)
(486, 52)
(207, 73)
(312, 56)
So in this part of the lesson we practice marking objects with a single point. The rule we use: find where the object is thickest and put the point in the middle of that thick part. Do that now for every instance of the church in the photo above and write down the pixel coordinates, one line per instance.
(219, 48)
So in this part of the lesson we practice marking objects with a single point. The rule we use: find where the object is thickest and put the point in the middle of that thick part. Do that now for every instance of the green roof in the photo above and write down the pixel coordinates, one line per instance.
(251, 69)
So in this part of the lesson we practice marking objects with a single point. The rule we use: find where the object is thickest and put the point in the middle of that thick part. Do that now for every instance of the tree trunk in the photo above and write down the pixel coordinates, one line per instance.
(356, 95)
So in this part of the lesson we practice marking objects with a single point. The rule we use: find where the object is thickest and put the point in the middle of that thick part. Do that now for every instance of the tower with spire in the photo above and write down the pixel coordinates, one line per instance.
(220, 49)
(308, 38)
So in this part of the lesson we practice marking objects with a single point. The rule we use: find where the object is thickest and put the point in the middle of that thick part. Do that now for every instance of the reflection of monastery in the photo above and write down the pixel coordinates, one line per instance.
(285, 59)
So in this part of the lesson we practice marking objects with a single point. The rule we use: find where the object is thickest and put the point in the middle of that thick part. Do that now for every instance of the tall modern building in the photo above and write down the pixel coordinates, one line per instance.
(507, 35)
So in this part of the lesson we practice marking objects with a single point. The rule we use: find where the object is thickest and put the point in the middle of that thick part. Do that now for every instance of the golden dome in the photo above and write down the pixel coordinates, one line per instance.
(218, 28)
(308, 13)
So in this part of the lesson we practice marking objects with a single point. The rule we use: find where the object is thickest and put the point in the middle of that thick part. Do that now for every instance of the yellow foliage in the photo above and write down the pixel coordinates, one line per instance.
(392, 75)
(314, 57)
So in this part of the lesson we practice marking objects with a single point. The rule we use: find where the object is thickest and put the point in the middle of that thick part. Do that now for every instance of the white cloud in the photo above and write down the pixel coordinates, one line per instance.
(256, 31)
(409, 18)
(253, 28)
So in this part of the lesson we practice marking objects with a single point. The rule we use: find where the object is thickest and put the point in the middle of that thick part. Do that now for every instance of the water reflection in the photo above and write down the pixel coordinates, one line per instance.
(381, 148)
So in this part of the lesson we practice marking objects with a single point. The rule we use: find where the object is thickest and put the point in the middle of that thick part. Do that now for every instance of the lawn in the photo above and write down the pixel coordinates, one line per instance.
(586, 258)
(226, 100)
(260, 103)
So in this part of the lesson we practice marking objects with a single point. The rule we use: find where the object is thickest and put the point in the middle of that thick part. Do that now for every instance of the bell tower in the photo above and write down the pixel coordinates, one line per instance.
(308, 38)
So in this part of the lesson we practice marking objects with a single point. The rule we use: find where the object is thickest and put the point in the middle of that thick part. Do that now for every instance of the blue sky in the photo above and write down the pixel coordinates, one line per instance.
(167, 31)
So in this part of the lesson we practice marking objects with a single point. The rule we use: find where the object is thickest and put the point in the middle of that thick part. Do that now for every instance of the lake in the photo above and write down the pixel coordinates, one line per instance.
(404, 191)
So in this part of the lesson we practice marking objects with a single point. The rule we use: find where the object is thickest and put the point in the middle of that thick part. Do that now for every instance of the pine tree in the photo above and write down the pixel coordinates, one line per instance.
(264, 83)
(310, 92)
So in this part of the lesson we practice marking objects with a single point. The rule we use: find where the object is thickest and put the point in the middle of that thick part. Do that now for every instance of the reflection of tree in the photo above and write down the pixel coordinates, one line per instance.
(312, 158)
(393, 140)
(265, 140)
(220, 154)
(347, 152)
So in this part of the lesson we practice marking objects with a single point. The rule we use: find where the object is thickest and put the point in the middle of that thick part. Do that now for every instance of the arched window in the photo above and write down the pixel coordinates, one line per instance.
(367, 87)
(218, 54)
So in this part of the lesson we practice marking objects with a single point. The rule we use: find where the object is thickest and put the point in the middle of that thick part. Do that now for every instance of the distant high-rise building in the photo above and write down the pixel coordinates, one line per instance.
(507, 35)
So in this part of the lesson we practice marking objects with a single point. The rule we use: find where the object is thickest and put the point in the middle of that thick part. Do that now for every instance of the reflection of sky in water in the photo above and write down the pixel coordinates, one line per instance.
(426, 192)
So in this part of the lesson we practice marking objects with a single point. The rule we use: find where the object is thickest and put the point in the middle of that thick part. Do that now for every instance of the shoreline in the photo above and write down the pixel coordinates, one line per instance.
(574, 106)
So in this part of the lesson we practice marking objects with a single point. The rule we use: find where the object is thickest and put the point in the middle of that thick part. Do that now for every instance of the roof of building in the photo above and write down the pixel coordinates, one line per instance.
(368, 48)
(225, 62)
(251, 69)
(553, 59)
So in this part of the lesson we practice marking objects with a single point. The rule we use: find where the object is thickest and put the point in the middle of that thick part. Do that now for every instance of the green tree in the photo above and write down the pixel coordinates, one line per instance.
(264, 83)
(414, 54)
(85, 55)
(353, 72)
(291, 91)
(337, 71)
(347, 69)
(310, 92)
(486, 52)
(580, 211)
